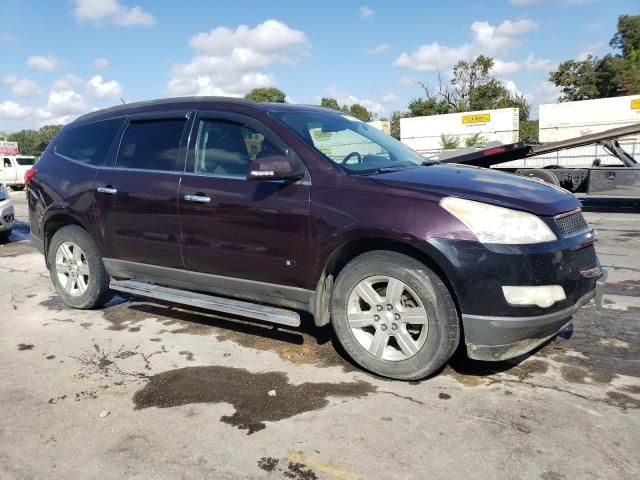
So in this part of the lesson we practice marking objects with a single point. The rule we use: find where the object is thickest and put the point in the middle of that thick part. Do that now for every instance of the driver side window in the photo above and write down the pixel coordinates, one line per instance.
(346, 147)
(227, 148)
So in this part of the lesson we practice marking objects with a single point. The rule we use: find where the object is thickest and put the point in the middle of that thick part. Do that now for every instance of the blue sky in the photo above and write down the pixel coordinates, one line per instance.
(62, 58)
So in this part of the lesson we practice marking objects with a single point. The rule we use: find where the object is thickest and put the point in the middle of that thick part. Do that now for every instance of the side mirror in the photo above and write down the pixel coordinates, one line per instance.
(273, 167)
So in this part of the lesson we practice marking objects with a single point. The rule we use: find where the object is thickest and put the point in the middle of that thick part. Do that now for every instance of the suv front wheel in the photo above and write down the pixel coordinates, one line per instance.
(77, 270)
(394, 316)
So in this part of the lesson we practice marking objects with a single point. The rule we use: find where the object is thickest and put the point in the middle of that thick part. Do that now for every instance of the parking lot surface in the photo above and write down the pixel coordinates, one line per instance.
(147, 390)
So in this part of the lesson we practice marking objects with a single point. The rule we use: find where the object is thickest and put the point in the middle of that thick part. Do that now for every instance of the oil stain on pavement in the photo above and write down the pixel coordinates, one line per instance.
(256, 397)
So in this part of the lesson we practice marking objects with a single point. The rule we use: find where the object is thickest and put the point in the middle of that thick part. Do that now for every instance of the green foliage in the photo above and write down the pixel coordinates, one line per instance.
(449, 142)
(395, 123)
(355, 110)
(475, 140)
(529, 130)
(472, 87)
(30, 140)
(270, 94)
(610, 76)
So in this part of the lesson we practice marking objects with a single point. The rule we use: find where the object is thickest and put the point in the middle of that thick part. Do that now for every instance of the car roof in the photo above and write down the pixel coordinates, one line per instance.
(183, 103)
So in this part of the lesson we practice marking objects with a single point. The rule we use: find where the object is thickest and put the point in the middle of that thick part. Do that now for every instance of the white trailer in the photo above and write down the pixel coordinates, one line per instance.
(561, 121)
(424, 134)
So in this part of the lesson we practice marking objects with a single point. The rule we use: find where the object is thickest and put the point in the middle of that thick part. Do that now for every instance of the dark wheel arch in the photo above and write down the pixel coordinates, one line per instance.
(349, 250)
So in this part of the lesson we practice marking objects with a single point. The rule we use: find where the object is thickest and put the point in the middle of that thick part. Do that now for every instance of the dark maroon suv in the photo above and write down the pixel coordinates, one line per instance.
(266, 210)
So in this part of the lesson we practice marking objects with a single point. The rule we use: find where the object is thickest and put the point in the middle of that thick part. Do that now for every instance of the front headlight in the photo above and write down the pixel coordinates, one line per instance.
(493, 224)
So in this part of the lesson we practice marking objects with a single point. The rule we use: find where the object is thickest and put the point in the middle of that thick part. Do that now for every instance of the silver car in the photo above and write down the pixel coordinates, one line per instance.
(7, 214)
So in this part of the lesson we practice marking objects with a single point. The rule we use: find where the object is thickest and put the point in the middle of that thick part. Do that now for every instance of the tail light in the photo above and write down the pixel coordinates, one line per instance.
(28, 175)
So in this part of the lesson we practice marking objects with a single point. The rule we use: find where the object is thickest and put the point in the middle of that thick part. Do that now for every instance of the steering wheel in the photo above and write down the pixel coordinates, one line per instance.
(352, 154)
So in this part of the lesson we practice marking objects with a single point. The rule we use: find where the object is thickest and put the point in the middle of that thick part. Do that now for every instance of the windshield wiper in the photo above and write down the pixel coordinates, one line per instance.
(428, 163)
(384, 170)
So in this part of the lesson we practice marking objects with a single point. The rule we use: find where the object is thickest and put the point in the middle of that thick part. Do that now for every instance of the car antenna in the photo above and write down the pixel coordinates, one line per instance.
(122, 100)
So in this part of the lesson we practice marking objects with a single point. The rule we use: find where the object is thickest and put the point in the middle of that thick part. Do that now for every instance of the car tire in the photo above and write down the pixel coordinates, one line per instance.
(414, 352)
(544, 175)
(4, 236)
(77, 270)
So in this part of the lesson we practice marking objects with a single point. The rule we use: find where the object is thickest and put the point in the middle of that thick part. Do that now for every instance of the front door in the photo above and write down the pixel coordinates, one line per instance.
(136, 198)
(233, 228)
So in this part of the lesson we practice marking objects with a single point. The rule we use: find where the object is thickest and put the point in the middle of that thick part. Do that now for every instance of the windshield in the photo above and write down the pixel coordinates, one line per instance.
(358, 148)
(26, 160)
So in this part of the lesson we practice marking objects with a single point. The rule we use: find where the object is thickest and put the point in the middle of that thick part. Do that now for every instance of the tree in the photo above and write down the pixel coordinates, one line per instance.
(30, 140)
(394, 123)
(269, 94)
(27, 140)
(610, 76)
(472, 88)
(449, 142)
(529, 130)
(355, 110)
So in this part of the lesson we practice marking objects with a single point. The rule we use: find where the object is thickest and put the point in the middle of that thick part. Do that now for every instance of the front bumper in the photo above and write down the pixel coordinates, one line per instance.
(494, 329)
(7, 216)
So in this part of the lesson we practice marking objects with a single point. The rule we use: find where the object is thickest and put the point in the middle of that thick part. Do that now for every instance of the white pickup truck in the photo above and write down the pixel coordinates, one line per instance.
(13, 168)
(7, 214)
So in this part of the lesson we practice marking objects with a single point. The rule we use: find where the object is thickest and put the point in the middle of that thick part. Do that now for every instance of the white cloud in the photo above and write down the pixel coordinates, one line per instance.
(591, 49)
(544, 65)
(382, 48)
(505, 68)
(231, 62)
(390, 98)
(47, 64)
(366, 12)
(110, 11)
(101, 63)
(22, 87)
(487, 39)
(544, 92)
(14, 111)
(97, 87)
(6, 38)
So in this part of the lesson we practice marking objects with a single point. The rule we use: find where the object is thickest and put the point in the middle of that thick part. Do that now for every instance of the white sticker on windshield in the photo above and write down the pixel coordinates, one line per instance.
(350, 118)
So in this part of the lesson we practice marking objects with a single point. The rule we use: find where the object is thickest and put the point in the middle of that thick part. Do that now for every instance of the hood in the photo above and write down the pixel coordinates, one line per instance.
(484, 185)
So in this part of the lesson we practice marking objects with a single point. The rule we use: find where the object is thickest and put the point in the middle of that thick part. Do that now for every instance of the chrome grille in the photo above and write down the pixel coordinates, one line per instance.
(572, 223)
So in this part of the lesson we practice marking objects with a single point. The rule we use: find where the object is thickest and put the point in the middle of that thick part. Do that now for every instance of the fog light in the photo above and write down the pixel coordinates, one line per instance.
(543, 296)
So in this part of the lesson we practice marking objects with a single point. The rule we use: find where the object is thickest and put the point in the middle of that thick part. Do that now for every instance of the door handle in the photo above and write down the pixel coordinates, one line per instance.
(197, 198)
(107, 190)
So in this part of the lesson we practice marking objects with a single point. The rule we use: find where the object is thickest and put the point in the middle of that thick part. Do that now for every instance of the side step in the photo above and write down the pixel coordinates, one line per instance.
(209, 302)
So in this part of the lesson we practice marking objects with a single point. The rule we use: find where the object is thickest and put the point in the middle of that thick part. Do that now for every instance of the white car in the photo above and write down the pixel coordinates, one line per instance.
(7, 214)
(13, 168)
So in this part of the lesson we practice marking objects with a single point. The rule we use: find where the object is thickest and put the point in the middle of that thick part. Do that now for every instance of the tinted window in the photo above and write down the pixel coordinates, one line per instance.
(151, 145)
(89, 143)
(227, 148)
(26, 161)
(7, 163)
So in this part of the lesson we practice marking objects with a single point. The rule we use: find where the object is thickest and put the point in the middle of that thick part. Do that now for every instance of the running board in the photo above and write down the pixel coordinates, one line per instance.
(208, 302)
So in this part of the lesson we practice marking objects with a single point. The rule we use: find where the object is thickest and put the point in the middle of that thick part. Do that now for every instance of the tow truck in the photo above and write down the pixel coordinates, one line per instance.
(600, 184)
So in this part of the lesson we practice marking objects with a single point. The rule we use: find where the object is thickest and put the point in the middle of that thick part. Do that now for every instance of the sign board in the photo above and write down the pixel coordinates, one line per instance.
(478, 118)
(635, 104)
(9, 148)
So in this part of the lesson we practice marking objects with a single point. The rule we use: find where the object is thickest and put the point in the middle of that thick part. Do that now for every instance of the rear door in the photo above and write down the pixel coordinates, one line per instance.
(234, 229)
(136, 198)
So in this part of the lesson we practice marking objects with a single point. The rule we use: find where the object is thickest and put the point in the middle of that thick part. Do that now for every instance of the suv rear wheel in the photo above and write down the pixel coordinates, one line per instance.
(77, 270)
(394, 316)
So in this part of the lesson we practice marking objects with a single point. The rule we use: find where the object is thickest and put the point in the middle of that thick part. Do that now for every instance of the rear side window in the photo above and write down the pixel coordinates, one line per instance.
(151, 145)
(7, 163)
(25, 161)
(89, 143)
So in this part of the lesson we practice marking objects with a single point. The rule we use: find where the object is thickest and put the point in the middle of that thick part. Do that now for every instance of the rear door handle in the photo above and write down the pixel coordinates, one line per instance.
(107, 190)
(197, 198)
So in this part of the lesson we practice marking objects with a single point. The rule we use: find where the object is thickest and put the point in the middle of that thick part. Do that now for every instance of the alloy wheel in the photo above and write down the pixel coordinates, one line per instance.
(387, 318)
